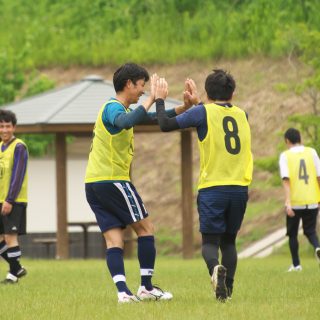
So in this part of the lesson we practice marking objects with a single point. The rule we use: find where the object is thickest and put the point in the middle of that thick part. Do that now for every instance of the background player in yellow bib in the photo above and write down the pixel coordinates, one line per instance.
(300, 173)
(13, 195)
(110, 194)
(224, 141)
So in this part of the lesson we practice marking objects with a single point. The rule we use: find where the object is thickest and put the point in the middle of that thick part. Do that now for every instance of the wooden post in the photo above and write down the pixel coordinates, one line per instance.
(187, 194)
(61, 187)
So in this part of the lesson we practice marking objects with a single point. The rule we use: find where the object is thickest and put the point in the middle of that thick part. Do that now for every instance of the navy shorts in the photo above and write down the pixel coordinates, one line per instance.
(16, 221)
(115, 204)
(221, 209)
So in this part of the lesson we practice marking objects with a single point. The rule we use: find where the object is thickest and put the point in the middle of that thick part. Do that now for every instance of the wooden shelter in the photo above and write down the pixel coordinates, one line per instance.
(73, 110)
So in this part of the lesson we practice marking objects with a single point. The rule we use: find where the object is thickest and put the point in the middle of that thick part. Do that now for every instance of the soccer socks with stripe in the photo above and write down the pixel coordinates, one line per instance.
(14, 254)
(147, 257)
(115, 263)
(4, 251)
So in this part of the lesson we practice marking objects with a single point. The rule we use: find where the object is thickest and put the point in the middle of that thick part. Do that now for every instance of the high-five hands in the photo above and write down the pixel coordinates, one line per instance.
(161, 91)
(190, 94)
(153, 82)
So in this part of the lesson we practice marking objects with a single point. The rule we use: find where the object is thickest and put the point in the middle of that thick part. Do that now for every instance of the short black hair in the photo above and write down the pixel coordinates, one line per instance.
(293, 135)
(8, 116)
(220, 85)
(129, 71)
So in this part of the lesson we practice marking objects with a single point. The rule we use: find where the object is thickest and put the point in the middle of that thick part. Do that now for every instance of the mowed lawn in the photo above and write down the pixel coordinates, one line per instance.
(78, 289)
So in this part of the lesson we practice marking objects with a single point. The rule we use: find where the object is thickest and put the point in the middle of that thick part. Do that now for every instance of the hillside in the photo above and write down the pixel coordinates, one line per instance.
(156, 169)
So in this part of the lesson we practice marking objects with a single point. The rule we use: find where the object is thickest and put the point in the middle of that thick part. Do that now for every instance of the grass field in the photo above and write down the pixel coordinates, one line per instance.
(79, 289)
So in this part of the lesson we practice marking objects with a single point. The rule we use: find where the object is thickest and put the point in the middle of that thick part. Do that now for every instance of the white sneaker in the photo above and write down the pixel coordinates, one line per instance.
(10, 279)
(318, 254)
(123, 297)
(294, 268)
(218, 281)
(155, 294)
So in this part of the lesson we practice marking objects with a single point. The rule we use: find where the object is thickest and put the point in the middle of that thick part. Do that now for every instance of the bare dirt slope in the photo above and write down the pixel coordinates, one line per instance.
(156, 167)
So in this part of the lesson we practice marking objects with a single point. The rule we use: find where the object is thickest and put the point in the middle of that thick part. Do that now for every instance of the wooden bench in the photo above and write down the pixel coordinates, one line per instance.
(47, 242)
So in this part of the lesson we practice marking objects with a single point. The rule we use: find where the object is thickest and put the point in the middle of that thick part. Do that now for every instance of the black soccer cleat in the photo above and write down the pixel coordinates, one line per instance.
(22, 272)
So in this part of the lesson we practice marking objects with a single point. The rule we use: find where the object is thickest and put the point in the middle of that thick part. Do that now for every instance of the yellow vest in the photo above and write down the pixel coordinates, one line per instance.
(6, 166)
(225, 152)
(111, 154)
(304, 187)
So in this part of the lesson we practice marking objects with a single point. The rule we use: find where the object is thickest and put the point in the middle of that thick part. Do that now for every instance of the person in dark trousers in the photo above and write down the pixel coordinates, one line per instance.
(13, 195)
(300, 173)
(224, 141)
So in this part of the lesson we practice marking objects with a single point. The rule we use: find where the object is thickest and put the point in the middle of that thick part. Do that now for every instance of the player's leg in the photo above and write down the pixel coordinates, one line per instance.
(292, 233)
(115, 263)
(144, 230)
(3, 245)
(3, 248)
(210, 250)
(309, 222)
(238, 198)
(211, 207)
(229, 258)
(106, 210)
(14, 225)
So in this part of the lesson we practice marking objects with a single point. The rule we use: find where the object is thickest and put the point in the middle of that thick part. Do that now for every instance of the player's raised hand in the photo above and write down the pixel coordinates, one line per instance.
(161, 89)
(190, 95)
(153, 82)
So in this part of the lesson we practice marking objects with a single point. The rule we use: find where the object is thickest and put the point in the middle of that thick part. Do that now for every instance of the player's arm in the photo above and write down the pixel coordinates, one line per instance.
(127, 120)
(17, 177)
(286, 186)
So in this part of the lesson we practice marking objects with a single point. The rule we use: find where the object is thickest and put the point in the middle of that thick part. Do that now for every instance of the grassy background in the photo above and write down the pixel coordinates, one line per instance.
(83, 290)
(98, 32)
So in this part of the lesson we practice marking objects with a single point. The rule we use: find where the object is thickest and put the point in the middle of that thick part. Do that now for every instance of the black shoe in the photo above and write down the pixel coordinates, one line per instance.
(229, 292)
(218, 280)
(22, 272)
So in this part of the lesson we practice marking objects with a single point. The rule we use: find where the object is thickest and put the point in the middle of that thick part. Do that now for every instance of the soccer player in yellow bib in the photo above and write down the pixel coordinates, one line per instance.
(225, 170)
(13, 195)
(300, 173)
(110, 194)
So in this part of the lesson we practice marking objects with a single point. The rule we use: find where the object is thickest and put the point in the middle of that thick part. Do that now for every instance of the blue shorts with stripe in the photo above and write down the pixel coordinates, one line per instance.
(115, 204)
(222, 208)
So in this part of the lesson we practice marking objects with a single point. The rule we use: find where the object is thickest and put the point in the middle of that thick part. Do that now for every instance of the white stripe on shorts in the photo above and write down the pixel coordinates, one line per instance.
(136, 200)
(119, 186)
(119, 277)
(3, 249)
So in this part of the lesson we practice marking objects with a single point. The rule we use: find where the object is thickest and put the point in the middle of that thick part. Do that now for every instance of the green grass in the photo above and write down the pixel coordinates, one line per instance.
(98, 32)
(255, 209)
(79, 289)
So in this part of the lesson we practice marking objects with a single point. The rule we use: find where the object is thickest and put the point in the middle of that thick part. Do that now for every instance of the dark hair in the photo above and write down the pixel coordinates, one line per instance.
(220, 85)
(293, 135)
(129, 71)
(8, 116)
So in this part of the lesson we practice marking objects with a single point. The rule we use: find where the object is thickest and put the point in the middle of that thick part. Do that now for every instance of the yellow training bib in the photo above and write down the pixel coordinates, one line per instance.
(111, 154)
(225, 152)
(304, 187)
(6, 166)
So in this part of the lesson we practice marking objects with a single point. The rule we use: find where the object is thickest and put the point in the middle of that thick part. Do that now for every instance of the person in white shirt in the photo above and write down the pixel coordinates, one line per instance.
(300, 173)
